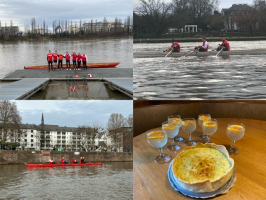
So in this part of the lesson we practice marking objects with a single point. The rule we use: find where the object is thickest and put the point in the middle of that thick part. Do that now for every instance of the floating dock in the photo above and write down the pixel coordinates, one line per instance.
(121, 84)
(22, 89)
(28, 82)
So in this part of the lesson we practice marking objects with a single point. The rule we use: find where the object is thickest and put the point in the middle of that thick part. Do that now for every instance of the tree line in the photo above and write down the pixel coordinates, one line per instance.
(156, 16)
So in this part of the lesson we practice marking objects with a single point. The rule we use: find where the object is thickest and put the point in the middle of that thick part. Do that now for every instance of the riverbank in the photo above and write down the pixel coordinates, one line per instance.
(209, 39)
(20, 157)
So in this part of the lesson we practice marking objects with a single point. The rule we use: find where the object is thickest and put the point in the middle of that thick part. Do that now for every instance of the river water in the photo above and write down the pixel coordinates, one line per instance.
(15, 55)
(222, 77)
(112, 180)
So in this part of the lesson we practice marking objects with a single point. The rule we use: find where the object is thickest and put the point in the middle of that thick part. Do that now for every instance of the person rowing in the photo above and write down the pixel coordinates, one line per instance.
(74, 161)
(175, 47)
(225, 45)
(50, 60)
(63, 161)
(203, 47)
(51, 161)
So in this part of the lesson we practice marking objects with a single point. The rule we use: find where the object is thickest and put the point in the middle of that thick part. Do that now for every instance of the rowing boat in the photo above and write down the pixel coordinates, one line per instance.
(151, 54)
(62, 165)
(90, 65)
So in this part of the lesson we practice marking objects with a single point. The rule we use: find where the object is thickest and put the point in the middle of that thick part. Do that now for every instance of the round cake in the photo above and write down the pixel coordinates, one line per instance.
(203, 167)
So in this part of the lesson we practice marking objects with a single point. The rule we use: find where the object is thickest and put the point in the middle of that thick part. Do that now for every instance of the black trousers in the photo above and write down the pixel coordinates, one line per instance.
(50, 63)
(60, 62)
(68, 64)
(79, 62)
(84, 64)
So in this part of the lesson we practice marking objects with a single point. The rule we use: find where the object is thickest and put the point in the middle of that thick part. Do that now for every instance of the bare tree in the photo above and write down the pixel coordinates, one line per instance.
(11, 28)
(129, 120)
(44, 27)
(53, 26)
(33, 25)
(10, 119)
(105, 23)
(157, 15)
(91, 26)
(115, 122)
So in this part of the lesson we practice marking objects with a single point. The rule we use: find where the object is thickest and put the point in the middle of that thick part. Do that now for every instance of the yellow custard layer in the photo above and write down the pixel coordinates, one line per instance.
(200, 164)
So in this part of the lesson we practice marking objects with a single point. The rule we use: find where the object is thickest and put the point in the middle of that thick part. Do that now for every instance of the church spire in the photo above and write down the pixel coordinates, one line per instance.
(42, 120)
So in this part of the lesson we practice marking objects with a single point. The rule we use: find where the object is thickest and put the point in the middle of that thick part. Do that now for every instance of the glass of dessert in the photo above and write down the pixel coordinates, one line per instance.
(157, 138)
(209, 127)
(235, 131)
(171, 128)
(202, 118)
(178, 120)
(189, 126)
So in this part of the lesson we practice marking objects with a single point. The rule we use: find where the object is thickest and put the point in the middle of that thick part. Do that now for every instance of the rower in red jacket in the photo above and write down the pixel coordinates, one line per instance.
(84, 61)
(63, 161)
(175, 47)
(73, 160)
(50, 60)
(225, 45)
(51, 161)
(204, 46)
(67, 56)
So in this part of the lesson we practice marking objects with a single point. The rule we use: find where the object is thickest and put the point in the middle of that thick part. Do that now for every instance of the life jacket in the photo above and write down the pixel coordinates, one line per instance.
(67, 56)
(55, 56)
(60, 57)
(74, 57)
(79, 58)
(84, 58)
(50, 56)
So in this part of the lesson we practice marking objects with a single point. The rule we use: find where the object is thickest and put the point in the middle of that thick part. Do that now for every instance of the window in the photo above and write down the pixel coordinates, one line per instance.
(31, 131)
(32, 145)
(25, 140)
(31, 140)
(31, 135)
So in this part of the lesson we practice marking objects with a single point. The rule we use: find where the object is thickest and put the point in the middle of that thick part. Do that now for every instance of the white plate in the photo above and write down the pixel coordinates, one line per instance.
(222, 190)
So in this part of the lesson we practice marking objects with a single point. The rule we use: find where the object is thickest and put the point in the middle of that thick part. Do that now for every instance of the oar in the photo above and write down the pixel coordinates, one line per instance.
(76, 84)
(168, 53)
(219, 52)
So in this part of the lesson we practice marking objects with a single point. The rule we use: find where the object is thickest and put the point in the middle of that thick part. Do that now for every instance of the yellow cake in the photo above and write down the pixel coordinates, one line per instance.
(203, 168)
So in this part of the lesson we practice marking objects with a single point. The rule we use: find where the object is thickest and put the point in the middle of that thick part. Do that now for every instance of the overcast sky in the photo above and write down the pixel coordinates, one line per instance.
(72, 113)
(223, 3)
(21, 11)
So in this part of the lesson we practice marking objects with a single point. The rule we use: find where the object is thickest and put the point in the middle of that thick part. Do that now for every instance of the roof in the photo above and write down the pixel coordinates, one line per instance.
(236, 7)
(48, 127)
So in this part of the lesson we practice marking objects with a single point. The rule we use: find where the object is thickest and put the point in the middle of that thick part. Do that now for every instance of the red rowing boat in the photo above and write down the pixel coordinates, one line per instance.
(62, 165)
(90, 65)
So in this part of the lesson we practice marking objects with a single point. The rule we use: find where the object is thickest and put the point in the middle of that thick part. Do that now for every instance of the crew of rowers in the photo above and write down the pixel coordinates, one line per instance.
(76, 59)
(175, 47)
(63, 161)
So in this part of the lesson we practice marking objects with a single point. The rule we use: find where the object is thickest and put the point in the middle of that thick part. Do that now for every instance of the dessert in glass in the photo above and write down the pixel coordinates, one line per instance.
(235, 131)
(209, 128)
(189, 126)
(171, 128)
(202, 118)
(157, 138)
(178, 120)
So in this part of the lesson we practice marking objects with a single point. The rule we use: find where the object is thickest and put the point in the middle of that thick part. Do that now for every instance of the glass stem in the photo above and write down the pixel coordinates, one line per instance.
(208, 138)
(189, 139)
(233, 144)
(161, 152)
(203, 133)
(173, 142)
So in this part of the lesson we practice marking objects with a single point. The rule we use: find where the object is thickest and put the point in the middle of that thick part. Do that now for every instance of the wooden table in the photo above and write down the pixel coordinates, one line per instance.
(151, 181)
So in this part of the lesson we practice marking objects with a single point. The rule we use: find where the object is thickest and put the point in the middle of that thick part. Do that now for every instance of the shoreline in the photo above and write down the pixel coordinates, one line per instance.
(210, 39)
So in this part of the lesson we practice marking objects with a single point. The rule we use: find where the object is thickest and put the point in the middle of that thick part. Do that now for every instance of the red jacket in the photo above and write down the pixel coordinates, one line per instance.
(226, 45)
(63, 161)
(84, 58)
(60, 57)
(55, 56)
(175, 45)
(74, 57)
(67, 56)
(73, 160)
(79, 57)
(50, 57)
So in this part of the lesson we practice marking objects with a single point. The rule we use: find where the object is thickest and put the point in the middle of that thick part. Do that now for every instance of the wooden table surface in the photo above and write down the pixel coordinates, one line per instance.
(151, 181)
